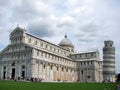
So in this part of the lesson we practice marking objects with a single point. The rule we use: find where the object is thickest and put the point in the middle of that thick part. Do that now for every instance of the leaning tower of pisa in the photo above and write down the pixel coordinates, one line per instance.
(109, 61)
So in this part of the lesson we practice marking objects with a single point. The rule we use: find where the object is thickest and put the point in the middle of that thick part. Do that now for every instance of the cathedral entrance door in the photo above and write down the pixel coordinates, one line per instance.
(4, 75)
(13, 73)
(23, 74)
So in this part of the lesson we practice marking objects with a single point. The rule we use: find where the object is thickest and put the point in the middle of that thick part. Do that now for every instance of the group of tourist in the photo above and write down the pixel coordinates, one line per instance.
(29, 79)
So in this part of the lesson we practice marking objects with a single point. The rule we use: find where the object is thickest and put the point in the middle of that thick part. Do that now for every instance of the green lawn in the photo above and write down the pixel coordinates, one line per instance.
(12, 85)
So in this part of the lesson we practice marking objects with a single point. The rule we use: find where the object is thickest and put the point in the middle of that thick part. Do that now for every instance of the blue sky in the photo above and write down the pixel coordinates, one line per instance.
(88, 23)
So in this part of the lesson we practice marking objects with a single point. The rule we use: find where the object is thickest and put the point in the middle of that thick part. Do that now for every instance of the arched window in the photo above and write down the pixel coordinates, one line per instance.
(57, 68)
(35, 42)
(29, 40)
(13, 64)
(66, 70)
(62, 68)
(23, 66)
(82, 72)
(51, 67)
(44, 66)
(4, 68)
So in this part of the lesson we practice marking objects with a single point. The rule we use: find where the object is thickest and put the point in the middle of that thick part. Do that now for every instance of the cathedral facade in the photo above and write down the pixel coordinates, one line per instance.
(28, 56)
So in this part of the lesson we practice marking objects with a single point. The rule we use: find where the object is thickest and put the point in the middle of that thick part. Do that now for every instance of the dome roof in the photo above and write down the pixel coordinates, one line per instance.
(66, 42)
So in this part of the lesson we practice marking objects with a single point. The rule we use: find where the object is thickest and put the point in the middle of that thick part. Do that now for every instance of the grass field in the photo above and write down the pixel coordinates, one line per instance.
(12, 85)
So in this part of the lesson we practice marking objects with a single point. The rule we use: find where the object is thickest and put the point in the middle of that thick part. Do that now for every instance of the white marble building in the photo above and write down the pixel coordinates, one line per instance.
(28, 56)
(89, 66)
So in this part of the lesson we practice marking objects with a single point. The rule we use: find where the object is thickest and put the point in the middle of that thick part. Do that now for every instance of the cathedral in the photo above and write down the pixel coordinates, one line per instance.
(28, 56)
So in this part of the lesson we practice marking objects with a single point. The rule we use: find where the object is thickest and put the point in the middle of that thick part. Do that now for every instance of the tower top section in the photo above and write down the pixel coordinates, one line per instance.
(108, 43)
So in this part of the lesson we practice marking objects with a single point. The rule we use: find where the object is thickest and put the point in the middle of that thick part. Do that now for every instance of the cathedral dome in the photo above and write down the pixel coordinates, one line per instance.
(66, 42)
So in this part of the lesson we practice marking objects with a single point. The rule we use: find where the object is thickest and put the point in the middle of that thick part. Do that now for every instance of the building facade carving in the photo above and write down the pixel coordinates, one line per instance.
(28, 56)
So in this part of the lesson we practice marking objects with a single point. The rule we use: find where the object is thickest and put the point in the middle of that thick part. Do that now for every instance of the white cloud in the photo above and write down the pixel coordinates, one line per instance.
(65, 23)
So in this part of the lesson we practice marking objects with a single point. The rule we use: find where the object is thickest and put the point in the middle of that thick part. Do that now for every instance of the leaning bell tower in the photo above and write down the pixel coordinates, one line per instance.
(108, 61)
